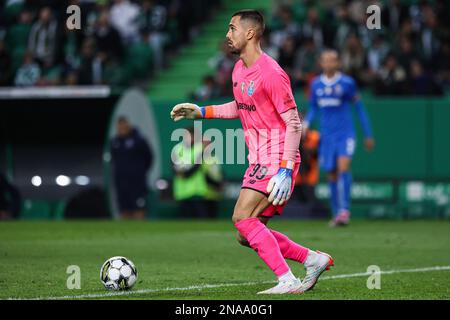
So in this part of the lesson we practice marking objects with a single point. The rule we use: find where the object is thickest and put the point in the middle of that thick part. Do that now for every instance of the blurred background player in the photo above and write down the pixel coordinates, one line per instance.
(331, 97)
(197, 180)
(132, 158)
(214, 180)
(264, 103)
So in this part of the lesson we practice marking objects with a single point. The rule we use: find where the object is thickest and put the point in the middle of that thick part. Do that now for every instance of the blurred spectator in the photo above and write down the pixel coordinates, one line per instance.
(107, 37)
(305, 67)
(376, 55)
(407, 31)
(43, 40)
(131, 159)
(288, 27)
(345, 27)
(406, 53)
(312, 29)
(10, 199)
(267, 46)
(87, 74)
(394, 14)
(442, 8)
(417, 12)
(391, 77)
(124, 17)
(17, 38)
(286, 58)
(443, 65)
(223, 63)
(92, 11)
(422, 83)
(139, 60)
(153, 18)
(29, 72)
(354, 59)
(208, 90)
(429, 37)
(50, 75)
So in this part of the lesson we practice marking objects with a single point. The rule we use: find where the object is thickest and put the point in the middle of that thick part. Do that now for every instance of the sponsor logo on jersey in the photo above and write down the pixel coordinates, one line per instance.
(251, 88)
(329, 102)
(243, 87)
(244, 106)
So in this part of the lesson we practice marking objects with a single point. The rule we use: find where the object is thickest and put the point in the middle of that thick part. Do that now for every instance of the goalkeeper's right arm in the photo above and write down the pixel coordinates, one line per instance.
(192, 111)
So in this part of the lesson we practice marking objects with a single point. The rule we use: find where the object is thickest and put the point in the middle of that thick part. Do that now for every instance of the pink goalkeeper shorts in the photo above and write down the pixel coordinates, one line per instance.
(257, 178)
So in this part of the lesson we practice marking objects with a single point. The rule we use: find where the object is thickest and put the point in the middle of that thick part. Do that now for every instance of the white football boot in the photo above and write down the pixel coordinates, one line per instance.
(289, 286)
(316, 263)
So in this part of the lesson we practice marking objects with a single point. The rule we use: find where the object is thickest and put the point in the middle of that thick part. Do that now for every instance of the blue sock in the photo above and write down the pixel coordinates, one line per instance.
(333, 198)
(344, 185)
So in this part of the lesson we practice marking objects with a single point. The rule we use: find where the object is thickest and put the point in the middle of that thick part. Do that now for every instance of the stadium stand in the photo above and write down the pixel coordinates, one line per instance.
(120, 41)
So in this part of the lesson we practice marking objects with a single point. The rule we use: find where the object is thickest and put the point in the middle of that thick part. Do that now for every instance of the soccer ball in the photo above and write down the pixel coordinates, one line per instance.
(118, 273)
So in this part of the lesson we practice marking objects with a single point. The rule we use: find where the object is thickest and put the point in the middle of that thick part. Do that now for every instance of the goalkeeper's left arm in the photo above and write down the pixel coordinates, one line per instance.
(192, 111)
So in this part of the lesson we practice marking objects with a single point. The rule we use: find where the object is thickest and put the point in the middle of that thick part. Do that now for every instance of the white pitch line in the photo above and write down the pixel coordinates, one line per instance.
(223, 285)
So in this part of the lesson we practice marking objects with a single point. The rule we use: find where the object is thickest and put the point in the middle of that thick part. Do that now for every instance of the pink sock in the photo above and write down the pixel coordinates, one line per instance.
(289, 248)
(264, 243)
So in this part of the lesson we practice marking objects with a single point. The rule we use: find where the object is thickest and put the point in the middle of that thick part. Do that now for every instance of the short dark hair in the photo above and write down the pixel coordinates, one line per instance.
(122, 118)
(252, 15)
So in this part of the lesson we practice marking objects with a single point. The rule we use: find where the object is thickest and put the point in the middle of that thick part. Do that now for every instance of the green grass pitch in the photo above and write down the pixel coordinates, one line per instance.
(202, 260)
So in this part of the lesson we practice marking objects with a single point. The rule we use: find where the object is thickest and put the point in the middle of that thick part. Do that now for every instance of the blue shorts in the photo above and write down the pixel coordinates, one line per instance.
(331, 148)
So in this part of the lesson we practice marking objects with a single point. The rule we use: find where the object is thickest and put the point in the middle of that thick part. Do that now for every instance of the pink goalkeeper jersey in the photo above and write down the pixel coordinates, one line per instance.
(262, 92)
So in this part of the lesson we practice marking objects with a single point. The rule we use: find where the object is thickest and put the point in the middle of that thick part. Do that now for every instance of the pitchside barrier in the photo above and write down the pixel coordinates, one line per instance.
(54, 148)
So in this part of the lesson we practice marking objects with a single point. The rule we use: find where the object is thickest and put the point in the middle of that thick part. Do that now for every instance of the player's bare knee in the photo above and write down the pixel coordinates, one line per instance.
(236, 218)
(242, 241)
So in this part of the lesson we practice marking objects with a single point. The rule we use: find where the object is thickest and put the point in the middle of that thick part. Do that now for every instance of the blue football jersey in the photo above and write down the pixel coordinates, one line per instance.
(331, 100)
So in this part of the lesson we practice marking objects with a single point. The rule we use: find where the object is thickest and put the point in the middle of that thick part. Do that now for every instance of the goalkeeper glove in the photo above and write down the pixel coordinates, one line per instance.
(186, 111)
(279, 187)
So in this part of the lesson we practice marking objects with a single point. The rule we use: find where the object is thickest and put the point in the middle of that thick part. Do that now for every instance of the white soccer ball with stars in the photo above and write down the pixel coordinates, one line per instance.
(118, 273)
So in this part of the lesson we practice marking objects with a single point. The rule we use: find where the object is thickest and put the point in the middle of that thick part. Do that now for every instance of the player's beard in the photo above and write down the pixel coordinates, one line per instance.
(233, 49)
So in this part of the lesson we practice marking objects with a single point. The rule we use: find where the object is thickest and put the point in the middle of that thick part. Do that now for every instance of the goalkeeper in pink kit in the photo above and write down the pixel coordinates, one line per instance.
(266, 107)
